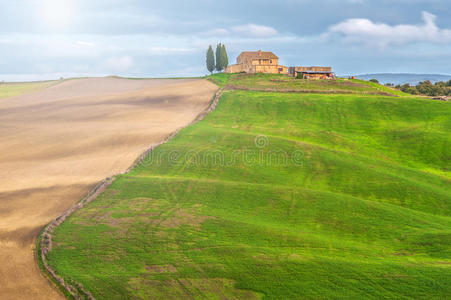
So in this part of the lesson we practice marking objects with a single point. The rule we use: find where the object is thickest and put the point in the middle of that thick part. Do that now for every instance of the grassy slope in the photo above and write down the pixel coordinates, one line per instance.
(14, 89)
(361, 207)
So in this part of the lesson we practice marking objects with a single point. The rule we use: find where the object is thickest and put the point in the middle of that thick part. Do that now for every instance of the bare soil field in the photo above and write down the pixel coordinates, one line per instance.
(57, 143)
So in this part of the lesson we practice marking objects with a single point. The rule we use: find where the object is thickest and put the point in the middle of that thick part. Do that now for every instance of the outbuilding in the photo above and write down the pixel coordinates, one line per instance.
(312, 72)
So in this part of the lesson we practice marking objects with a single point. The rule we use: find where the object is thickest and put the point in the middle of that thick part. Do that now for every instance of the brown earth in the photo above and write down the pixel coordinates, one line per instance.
(57, 143)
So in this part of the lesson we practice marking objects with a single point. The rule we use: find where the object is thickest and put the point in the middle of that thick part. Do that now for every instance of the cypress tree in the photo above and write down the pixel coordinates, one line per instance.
(210, 59)
(219, 66)
(224, 57)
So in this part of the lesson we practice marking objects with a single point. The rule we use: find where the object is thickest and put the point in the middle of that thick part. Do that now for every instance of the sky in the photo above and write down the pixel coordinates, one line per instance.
(49, 39)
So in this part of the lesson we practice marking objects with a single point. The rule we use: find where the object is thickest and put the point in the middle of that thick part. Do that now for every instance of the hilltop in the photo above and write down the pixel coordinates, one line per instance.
(286, 84)
(287, 190)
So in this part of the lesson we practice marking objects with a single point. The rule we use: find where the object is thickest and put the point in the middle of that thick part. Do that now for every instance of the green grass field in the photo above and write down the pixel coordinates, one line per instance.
(277, 196)
(11, 89)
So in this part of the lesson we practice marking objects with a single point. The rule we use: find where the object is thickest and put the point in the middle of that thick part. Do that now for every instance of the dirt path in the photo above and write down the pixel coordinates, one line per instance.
(57, 143)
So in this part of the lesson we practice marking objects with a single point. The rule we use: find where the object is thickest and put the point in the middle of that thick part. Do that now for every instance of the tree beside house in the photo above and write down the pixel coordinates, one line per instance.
(218, 60)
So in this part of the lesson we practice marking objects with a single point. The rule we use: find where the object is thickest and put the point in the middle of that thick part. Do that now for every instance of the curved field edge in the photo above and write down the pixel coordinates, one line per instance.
(70, 288)
(45, 272)
(409, 238)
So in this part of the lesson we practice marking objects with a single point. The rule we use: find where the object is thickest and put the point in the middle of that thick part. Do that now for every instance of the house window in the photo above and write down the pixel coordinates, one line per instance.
(270, 61)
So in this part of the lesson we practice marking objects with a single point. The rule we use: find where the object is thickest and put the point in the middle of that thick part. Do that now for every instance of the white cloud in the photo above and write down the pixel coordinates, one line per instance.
(254, 30)
(120, 64)
(216, 32)
(6, 41)
(158, 50)
(82, 43)
(381, 35)
(247, 30)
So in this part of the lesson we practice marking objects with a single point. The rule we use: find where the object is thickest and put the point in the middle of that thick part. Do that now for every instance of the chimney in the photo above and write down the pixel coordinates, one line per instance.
(259, 52)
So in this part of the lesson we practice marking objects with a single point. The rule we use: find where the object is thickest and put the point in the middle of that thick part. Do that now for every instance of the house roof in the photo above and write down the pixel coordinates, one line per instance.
(259, 54)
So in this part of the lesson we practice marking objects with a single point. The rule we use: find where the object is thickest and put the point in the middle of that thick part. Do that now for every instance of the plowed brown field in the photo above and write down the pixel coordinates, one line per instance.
(55, 144)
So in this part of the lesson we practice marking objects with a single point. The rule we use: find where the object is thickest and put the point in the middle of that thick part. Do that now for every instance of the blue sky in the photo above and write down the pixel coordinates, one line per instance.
(44, 39)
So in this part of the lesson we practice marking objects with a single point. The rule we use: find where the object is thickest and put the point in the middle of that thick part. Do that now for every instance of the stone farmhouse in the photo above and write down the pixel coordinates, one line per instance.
(267, 62)
(257, 62)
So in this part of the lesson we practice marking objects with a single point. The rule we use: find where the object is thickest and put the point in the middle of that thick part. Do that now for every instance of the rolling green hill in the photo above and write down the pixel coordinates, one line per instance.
(277, 196)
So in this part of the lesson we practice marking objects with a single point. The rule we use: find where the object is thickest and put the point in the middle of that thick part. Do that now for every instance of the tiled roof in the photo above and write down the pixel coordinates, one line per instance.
(259, 55)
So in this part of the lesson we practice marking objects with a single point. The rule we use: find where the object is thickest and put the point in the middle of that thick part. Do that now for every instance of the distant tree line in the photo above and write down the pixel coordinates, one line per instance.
(218, 60)
(427, 88)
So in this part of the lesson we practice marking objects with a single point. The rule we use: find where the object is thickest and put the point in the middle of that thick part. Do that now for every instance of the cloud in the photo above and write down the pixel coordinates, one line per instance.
(121, 64)
(82, 43)
(247, 30)
(6, 41)
(158, 50)
(216, 32)
(254, 30)
(381, 35)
